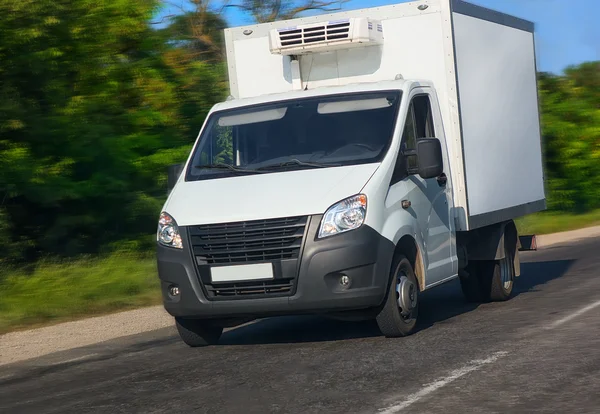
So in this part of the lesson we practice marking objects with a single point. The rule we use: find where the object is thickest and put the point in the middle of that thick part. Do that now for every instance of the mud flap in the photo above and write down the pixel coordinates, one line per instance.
(524, 244)
(527, 243)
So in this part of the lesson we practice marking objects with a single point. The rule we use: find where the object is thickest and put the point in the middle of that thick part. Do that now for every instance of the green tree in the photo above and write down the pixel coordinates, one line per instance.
(571, 130)
(93, 106)
(200, 31)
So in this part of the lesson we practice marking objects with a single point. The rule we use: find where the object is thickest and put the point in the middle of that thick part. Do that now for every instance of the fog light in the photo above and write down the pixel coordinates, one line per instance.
(174, 290)
(345, 281)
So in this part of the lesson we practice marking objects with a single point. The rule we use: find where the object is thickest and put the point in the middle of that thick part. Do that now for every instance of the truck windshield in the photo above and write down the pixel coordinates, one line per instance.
(316, 132)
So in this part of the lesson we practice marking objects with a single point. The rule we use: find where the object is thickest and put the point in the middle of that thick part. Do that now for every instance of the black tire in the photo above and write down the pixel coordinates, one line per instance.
(470, 283)
(490, 280)
(197, 333)
(498, 278)
(390, 320)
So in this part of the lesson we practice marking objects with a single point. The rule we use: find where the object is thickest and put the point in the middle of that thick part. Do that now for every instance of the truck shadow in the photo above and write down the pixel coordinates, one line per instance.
(446, 302)
(437, 305)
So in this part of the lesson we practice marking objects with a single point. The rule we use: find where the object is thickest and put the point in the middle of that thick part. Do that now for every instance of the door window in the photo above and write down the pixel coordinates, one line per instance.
(419, 124)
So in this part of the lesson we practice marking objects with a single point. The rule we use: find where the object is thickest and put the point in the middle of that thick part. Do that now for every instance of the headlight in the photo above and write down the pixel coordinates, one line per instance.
(344, 216)
(168, 232)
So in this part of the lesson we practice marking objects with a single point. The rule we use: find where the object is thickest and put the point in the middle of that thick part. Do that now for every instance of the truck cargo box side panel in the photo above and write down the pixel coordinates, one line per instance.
(500, 119)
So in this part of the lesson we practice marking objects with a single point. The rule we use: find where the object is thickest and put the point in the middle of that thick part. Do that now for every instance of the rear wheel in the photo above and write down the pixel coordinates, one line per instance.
(398, 317)
(197, 332)
(498, 279)
(490, 280)
(470, 282)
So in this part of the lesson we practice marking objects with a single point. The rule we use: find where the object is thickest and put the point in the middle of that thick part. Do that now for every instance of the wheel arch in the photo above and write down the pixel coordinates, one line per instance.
(408, 246)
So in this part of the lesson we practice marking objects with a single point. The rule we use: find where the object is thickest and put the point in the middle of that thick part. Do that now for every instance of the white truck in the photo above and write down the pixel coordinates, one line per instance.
(362, 158)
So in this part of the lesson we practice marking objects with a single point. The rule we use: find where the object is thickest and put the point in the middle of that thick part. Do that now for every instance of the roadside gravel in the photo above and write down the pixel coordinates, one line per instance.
(19, 346)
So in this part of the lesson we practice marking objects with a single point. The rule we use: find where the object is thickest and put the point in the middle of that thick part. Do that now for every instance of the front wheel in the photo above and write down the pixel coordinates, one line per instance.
(196, 332)
(398, 317)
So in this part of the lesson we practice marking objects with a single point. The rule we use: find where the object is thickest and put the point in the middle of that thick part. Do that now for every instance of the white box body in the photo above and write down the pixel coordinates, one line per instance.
(481, 63)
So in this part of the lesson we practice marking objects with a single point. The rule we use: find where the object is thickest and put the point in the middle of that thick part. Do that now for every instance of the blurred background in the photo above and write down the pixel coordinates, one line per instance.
(98, 97)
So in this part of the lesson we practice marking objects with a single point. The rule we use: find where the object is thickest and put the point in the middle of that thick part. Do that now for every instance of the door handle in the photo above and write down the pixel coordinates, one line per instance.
(442, 180)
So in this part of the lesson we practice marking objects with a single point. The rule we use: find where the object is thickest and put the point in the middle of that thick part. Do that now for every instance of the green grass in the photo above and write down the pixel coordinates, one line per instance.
(553, 222)
(57, 292)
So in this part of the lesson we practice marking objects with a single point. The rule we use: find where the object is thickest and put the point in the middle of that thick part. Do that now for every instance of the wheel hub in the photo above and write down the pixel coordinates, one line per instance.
(406, 293)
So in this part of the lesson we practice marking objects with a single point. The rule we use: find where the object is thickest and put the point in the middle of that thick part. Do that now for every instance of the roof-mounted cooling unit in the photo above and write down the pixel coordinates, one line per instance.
(326, 36)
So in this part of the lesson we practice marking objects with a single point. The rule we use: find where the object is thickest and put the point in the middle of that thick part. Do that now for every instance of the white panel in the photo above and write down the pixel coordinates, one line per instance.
(413, 46)
(422, 59)
(260, 72)
(499, 111)
(262, 271)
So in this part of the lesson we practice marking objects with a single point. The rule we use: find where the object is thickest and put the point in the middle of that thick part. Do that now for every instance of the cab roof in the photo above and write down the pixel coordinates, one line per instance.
(400, 84)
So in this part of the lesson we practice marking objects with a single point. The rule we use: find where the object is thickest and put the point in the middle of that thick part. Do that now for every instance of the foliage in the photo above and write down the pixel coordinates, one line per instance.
(93, 106)
(96, 101)
(200, 31)
(571, 130)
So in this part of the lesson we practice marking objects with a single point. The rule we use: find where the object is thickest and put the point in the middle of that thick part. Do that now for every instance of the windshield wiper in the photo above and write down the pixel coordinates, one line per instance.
(297, 162)
(221, 166)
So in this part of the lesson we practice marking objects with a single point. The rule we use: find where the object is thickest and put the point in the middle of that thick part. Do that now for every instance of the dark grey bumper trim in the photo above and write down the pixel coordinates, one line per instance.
(363, 255)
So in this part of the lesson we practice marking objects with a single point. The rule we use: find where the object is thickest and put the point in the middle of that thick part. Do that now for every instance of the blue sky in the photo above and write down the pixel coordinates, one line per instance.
(567, 31)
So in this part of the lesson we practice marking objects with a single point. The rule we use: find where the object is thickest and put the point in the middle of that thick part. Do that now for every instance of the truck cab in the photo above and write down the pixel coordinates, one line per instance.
(331, 184)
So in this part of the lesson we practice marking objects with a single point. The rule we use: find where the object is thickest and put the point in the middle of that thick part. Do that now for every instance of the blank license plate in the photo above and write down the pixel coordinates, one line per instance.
(263, 271)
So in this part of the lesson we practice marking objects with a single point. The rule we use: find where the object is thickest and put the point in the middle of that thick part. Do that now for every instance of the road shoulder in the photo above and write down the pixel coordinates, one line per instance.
(23, 345)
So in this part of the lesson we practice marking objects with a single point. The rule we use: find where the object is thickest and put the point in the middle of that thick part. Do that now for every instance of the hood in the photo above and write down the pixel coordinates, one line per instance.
(264, 196)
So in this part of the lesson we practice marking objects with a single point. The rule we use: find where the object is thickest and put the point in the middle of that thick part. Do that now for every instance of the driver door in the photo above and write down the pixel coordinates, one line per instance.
(431, 199)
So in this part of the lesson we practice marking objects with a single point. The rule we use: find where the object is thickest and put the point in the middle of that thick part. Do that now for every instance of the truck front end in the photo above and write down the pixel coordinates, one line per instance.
(269, 216)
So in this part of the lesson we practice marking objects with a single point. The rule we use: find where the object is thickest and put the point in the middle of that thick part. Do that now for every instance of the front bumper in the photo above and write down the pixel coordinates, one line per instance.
(363, 255)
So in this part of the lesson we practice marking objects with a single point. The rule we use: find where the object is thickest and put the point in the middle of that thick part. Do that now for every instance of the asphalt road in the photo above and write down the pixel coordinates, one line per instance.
(538, 352)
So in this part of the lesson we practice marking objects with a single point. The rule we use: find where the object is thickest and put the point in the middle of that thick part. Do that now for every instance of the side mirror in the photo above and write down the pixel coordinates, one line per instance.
(173, 173)
(429, 153)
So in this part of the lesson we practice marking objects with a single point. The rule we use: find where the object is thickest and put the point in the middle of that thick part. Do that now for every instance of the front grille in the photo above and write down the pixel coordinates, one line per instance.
(276, 241)
(271, 287)
(248, 241)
